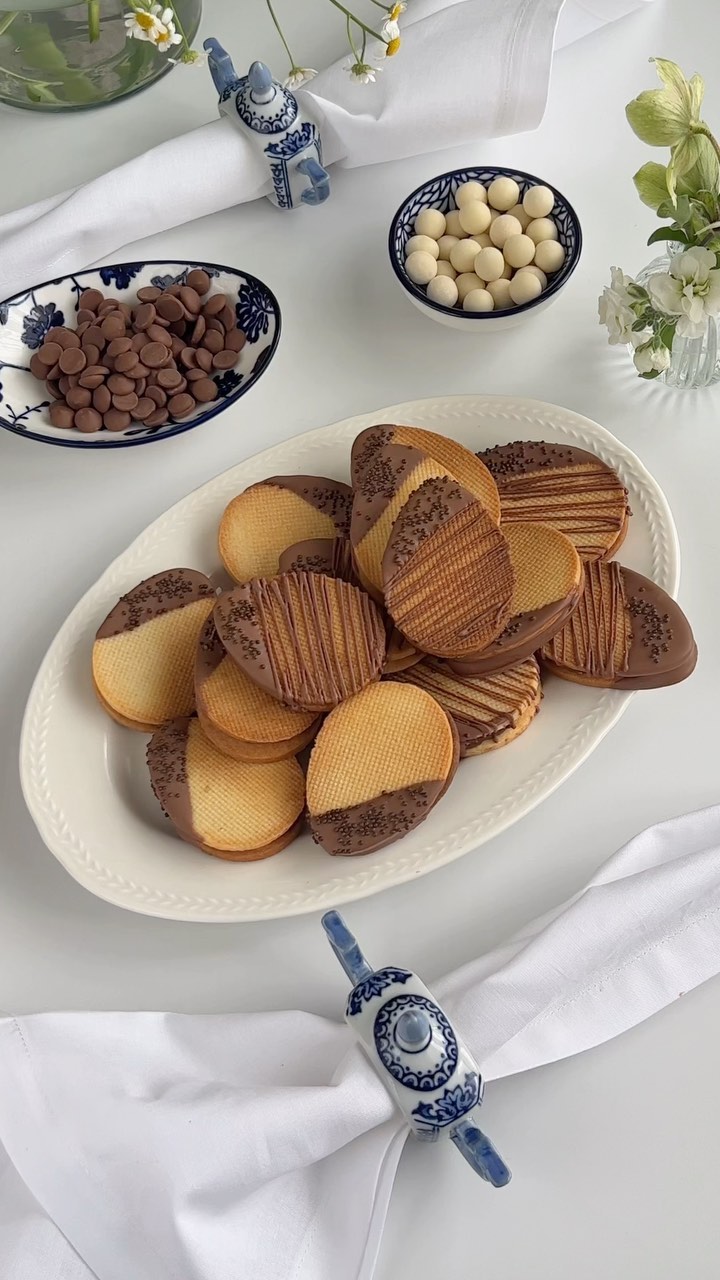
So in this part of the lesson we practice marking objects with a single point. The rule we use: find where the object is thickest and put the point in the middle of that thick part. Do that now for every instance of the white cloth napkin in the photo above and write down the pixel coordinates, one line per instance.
(468, 69)
(173, 1147)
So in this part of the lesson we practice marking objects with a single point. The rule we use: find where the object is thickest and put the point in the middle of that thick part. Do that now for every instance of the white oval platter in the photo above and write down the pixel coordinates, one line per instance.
(102, 821)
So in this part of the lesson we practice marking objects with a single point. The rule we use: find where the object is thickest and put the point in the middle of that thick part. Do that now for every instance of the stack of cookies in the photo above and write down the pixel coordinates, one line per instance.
(384, 629)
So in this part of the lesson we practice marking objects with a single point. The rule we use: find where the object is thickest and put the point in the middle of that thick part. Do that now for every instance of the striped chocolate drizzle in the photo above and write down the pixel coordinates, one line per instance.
(582, 502)
(596, 638)
(483, 707)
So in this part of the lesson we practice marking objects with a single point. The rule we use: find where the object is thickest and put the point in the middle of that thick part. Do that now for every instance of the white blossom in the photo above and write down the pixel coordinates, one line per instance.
(155, 24)
(614, 308)
(299, 76)
(691, 290)
(651, 359)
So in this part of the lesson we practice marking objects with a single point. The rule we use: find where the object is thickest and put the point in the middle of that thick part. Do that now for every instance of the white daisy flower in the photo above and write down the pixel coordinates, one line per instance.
(299, 76)
(154, 24)
(361, 71)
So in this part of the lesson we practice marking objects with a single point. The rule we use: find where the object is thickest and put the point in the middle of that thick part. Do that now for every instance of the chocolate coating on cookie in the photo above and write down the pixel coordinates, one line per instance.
(331, 497)
(363, 828)
(332, 556)
(167, 763)
(171, 589)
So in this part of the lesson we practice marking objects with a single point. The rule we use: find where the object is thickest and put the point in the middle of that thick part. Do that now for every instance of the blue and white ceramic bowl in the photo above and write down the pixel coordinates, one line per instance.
(26, 319)
(439, 193)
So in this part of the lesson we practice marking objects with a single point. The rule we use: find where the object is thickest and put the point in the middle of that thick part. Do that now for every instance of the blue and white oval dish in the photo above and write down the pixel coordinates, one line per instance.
(26, 319)
(439, 193)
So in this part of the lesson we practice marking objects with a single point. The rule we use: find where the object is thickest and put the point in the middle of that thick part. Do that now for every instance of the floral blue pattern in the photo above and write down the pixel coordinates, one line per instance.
(122, 275)
(442, 1051)
(253, 310)
(26, 319)
(374, 986)
(451, 1105)
(39, 319)
(275, 122)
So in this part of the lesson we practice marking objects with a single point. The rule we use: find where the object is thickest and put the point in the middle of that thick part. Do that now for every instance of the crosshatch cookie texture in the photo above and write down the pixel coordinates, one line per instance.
(260, 523)
(488, 711)
(380, 763)
(309, 640)
(233, 810)
(144, 652)
(564, 486)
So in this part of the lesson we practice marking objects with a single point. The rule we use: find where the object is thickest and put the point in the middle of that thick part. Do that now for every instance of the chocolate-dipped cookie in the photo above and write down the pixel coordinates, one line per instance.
(388, 463)
(488, 711)
(626, 633)
(233, 810)
(447, 573)
(144, 652)
(548, 582)
(307, 639)
(260, 523)
(569, 488)
(239, 717)
(332, 556)
(380, 762)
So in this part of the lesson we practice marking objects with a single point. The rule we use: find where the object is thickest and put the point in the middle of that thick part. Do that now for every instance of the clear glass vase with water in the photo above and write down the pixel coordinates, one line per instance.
(694, 362)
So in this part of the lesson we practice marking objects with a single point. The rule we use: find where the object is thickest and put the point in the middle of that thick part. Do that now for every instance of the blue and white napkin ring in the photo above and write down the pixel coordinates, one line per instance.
(417, 1052)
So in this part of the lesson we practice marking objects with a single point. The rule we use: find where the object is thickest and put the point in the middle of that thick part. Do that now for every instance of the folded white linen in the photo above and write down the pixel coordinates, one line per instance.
(177, 1147)
(430, 97)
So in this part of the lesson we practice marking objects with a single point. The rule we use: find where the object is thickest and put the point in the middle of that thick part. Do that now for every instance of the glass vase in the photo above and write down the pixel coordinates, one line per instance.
(694, 362)
(56, 56)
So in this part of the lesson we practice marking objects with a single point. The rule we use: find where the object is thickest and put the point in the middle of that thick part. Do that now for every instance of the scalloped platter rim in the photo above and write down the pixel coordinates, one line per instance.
(103, 823)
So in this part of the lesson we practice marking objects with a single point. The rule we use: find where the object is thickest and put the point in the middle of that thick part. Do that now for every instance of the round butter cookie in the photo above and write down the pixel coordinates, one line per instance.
(388, 464)
(231, 809)
(258, 525)
(569, 488)
(144, 652)
(307, 639)
(488, 711)
(238, 716)
(379, 764)
(447, 572)
(548, 582)
(626, 633)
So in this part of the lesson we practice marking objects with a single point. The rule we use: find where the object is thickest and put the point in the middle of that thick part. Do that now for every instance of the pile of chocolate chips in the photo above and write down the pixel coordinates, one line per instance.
(146, 363)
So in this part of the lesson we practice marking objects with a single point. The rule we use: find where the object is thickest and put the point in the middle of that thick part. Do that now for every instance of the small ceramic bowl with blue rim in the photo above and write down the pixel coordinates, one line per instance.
(439, 193)
(28, 317)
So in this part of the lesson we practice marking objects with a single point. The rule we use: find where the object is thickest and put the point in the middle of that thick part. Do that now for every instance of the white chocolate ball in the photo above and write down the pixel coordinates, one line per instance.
(468, 191)
(444, 245)
(443, 290)
(494, 214)
(504, 227)
(549, 256)
(467, 282)
(478, 300)
(474, 217)
(452, 224)
(503, 193)
(538, 202)
(483, 239)
(463, 254)
(421, 267)
(535, 271)
(489, 264)
(523, 218)
(430, 222)
(445, 268)
(541, 229)
(524, 288)
(507, 272)
(499, 291)
(421, 244)
(519, 251)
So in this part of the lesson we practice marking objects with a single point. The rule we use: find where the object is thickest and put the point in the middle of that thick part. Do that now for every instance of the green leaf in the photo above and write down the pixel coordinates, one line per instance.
(666, 209)
(668, 233)
(639, 325)
(651, 185)
(654, 373)
(658, 118)
(666, 334)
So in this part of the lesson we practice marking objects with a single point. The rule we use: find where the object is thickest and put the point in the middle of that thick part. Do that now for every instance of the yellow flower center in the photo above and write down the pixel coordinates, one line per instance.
(145, 20)
(395, 12)
(392, 47)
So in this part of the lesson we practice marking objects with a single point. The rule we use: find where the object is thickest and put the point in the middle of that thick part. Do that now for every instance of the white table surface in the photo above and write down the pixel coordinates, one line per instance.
(614, 1152)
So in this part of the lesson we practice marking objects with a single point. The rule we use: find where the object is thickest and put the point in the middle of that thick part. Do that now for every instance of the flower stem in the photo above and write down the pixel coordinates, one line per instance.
(93, 20)
(358, 23)
(351, 42)
(380, 5)
(279, 30)
(176, 16)
(7, 20)
(705, 132)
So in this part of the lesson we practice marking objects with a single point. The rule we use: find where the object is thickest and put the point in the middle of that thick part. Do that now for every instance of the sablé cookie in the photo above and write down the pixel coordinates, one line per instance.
(560, 485)
(386, 469)
(143, 657)
(231, 809)
(548, 584)
(332, 556)
(488, 711)
(626, 633)
(400, 653)
(308, 639)
(258, 525)
(380, 762)
(237, 715)
(447, 572)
